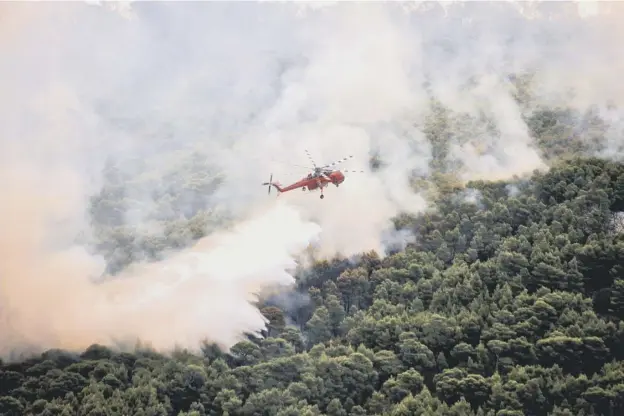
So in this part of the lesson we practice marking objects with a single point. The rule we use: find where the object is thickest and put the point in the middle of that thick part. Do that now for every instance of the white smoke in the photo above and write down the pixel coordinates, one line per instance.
(246, 87)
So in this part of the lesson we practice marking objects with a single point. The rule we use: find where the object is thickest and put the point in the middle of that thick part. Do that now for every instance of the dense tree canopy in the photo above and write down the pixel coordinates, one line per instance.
(510, 303)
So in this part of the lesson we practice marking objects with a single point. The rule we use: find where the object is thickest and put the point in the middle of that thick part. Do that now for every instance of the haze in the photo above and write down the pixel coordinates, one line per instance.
(247, 87)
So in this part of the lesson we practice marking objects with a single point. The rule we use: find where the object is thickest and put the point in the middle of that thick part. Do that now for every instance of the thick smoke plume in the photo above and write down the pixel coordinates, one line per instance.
(49, 298)
(242, 89)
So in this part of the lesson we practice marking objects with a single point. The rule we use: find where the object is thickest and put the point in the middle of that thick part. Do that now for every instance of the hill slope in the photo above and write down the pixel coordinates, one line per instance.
(511, 304)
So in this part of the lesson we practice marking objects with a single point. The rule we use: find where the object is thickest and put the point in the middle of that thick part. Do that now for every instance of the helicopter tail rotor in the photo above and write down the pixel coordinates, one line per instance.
(269, 183)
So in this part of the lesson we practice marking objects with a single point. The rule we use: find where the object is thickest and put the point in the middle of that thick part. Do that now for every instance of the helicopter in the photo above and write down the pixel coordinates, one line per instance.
(319, 178)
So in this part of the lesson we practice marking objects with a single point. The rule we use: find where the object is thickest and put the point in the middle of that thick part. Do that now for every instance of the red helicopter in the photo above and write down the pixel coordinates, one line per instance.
(318, 179)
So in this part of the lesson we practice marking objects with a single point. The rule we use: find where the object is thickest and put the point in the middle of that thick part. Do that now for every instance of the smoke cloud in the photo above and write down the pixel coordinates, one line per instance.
(245, 88)
(50, 299)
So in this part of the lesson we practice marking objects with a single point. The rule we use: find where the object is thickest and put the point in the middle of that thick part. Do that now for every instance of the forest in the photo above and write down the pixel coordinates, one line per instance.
(511, 303)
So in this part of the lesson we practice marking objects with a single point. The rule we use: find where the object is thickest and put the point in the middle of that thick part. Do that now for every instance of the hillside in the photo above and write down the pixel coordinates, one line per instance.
(471, 264)
(508, 306)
